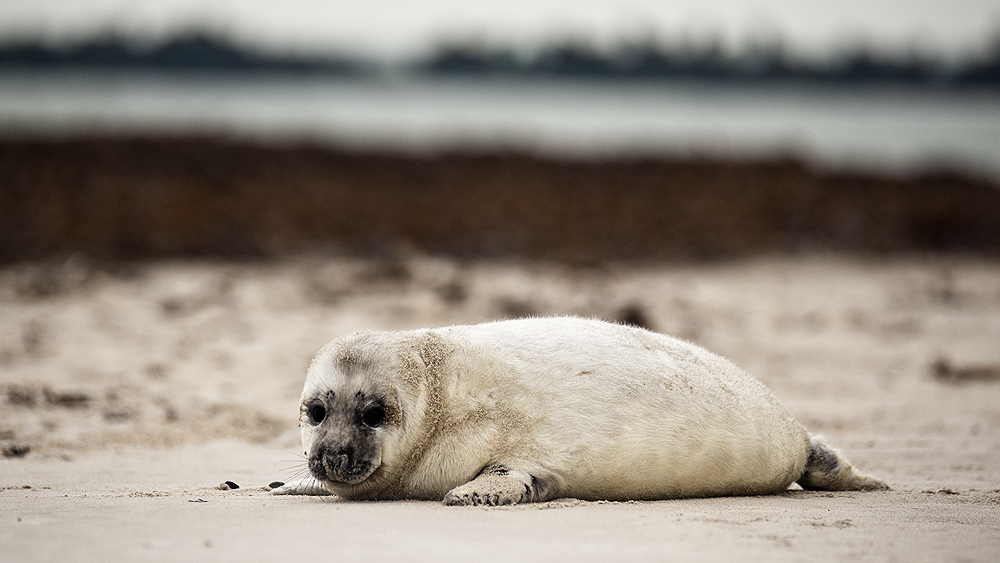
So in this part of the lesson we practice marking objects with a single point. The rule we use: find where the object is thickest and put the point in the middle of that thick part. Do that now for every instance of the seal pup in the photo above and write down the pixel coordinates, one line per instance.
(535, 409)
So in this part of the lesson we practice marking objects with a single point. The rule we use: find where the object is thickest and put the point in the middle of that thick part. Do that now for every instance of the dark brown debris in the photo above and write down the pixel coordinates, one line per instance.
(944, 370)
(146, 197)
(16, 450)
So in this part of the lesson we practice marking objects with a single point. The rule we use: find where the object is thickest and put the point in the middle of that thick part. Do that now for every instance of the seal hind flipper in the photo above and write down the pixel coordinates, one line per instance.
(827, 470)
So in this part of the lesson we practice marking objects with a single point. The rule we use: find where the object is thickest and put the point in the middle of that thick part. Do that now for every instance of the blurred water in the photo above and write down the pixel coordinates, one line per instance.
(877, 128)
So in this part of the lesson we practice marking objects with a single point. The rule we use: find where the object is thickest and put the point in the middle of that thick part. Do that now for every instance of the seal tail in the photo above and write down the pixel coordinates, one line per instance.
(827, 470)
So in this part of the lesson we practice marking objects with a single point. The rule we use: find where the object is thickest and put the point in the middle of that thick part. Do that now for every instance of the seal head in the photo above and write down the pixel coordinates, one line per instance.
(358, 443)
(346, 435)
(349, 415)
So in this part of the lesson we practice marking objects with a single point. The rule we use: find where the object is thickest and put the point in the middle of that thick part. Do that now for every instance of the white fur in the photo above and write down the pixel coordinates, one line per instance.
(590, 409)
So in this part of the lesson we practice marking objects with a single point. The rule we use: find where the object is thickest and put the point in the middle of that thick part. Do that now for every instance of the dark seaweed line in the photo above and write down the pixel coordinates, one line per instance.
(143, 197)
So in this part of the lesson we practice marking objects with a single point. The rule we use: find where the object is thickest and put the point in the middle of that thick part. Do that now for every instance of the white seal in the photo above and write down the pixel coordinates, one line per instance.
(537, 409)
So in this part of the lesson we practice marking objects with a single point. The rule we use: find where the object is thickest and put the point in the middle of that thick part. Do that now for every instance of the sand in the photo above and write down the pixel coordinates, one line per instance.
(128, 393)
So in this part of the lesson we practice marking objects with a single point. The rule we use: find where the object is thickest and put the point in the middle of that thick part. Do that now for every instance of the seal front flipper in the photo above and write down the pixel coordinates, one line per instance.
(307, 486)
(496, 485)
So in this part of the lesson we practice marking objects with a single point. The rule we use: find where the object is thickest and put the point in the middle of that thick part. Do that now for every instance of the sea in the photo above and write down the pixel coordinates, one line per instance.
(874, 128)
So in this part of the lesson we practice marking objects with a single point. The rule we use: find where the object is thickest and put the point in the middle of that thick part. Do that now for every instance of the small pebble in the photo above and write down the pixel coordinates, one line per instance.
(228, 485)
(276, 484)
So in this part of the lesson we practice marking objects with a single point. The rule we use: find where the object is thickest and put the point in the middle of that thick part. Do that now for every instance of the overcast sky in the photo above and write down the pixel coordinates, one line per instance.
(401, 28)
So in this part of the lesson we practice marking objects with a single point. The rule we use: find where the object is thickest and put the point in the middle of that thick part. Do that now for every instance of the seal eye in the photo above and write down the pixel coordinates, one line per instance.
(317, 412)
(373, 417)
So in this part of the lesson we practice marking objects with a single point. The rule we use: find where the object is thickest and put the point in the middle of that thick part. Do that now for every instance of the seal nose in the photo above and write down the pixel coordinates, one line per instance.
(336, 465)
(330, 465)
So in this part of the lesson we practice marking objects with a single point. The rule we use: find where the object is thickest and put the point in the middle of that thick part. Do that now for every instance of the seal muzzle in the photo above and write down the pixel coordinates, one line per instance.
(338, 466)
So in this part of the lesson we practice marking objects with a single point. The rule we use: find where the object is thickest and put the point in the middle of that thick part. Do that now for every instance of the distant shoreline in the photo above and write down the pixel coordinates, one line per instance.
(628, 62)
(874, 128)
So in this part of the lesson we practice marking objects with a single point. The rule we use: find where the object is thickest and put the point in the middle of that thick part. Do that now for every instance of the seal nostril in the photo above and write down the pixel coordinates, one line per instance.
(317, 412)
(336, 465)
(340, 463)
(317, 467)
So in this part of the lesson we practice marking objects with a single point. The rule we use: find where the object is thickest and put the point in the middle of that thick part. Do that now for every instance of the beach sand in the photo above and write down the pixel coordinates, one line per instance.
(130, 392)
